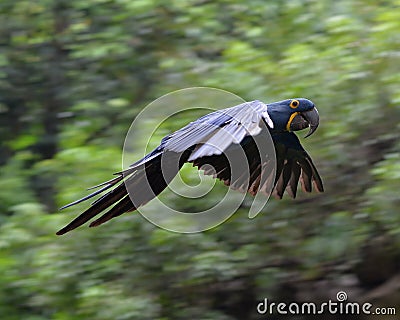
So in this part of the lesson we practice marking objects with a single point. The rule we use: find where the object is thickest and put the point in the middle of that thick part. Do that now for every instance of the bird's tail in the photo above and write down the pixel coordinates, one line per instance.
(130, 189)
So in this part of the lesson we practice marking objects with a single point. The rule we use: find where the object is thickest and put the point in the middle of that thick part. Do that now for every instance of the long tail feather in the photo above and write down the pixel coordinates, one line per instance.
(93, 194)
(144, 183)
(121, 207)
(95, 209)
(110, 182)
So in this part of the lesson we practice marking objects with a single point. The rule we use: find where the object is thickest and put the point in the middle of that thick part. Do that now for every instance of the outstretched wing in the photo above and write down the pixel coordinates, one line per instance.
(228, 145)
(262, 172)
(293, 165)
(146, 178)
(246, 119)
(247, 167)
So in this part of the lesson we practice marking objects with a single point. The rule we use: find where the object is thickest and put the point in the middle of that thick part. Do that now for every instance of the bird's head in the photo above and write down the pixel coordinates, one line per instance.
(293, 115)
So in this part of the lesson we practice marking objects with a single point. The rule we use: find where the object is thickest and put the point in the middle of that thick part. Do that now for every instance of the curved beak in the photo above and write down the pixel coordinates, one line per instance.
(312, 117)
(305, 119)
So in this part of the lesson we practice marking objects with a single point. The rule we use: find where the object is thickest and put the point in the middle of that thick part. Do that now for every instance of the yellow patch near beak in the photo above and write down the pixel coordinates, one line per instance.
(292, 116)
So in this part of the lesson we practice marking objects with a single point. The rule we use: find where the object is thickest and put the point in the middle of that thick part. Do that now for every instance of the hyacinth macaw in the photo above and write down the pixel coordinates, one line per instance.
(213, 140)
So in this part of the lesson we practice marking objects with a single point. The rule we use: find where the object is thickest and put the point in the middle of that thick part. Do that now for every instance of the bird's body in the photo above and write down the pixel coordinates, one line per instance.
(210, 143)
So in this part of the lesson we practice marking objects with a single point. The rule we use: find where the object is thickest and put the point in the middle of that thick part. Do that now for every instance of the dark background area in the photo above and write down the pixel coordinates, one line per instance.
(73, 75)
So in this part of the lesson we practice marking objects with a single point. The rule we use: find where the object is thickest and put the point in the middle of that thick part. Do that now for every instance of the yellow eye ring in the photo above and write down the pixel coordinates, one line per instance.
(294, 103)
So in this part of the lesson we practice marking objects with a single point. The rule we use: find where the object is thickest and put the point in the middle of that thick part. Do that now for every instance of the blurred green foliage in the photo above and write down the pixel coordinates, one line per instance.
(74, 74)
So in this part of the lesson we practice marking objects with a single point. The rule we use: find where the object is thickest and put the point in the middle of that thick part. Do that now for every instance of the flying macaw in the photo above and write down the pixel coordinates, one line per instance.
(208, 141)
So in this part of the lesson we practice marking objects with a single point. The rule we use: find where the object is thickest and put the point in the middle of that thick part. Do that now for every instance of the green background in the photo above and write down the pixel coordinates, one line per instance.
(73, 75)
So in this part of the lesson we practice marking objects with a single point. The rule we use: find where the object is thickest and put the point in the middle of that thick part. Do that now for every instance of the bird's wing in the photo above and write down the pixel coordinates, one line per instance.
(213, 133)
(293, 164)
(264, 173)
(243, 167)
(224, 146)
(145, 179)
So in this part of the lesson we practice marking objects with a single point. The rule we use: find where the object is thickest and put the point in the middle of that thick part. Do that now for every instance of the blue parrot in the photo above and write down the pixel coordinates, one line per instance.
(210, 143)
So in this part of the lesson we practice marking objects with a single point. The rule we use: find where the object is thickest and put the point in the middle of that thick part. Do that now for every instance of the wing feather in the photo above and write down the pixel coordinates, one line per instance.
(306, 174)
(246, 119)
(212, 140)
(316, 178)
(284, 178)
(258, 176)
(294, 165)
(294, 180)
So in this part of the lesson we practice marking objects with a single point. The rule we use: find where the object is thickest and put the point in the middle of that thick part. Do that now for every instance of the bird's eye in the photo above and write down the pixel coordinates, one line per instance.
(294, 104)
